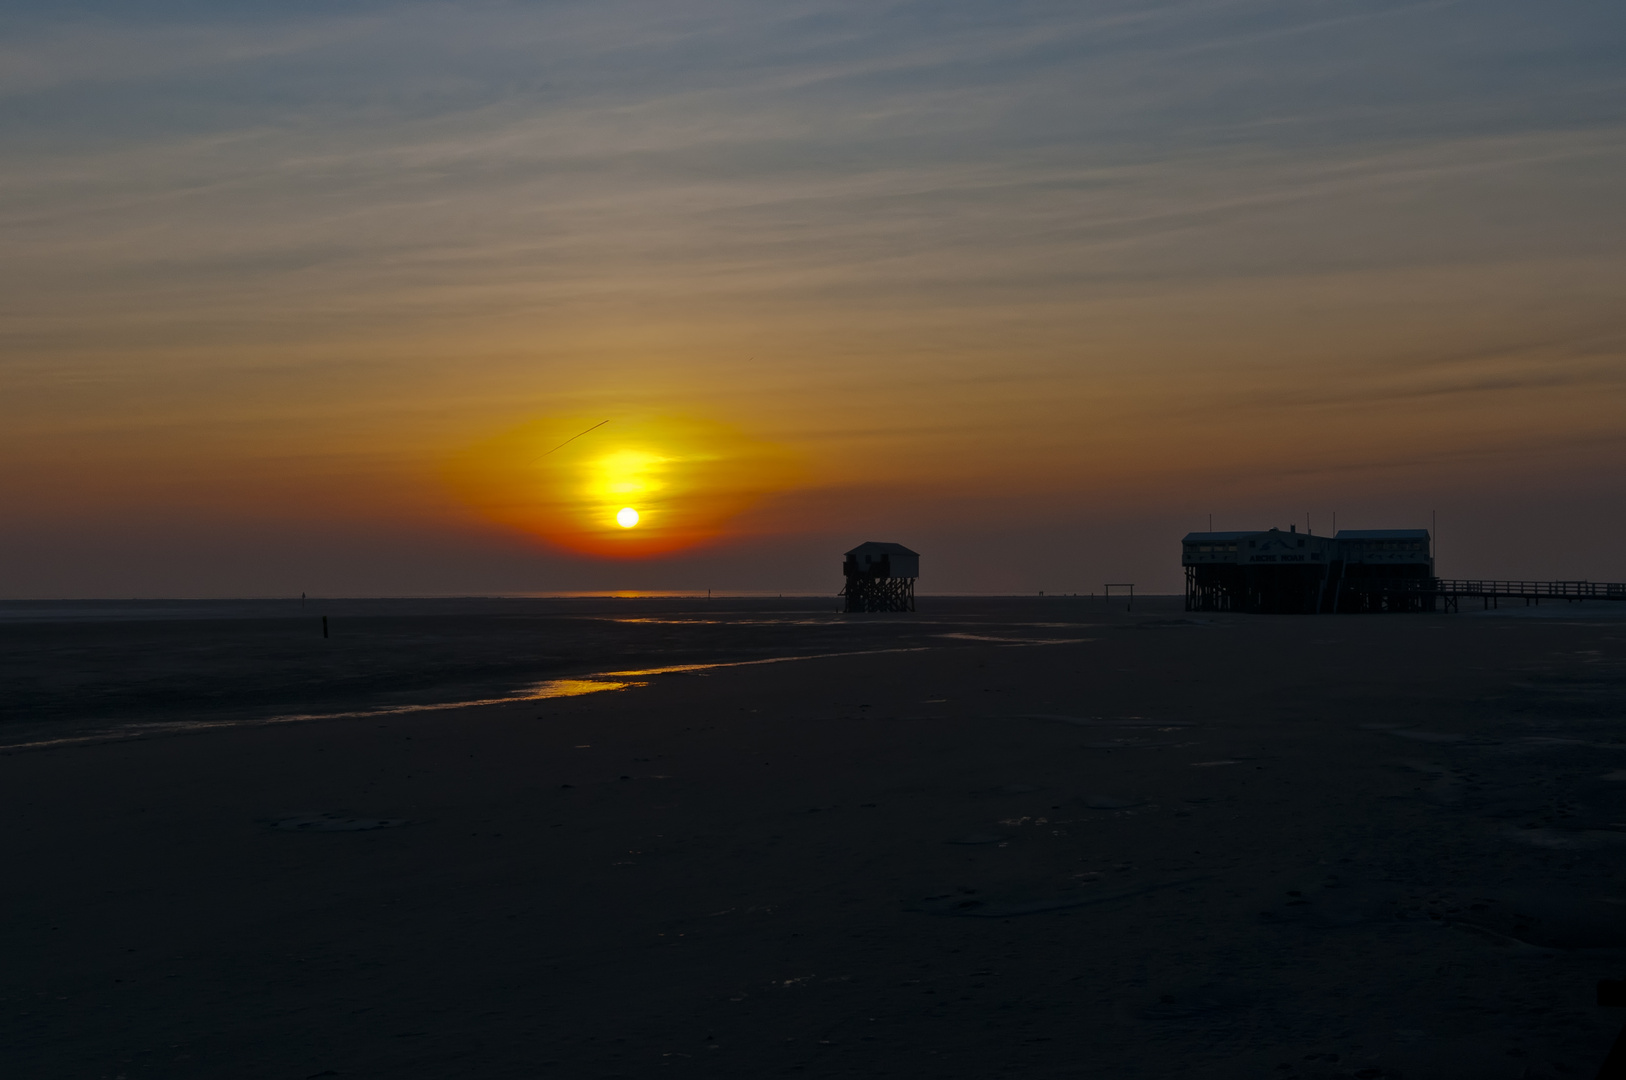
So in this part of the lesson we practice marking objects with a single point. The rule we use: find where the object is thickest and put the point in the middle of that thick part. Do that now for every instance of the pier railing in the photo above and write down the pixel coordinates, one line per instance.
(1532, 590)
(1446, 594)
(1337, 593)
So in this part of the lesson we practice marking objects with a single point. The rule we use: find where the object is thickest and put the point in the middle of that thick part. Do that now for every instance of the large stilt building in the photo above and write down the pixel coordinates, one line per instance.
(1294, 572)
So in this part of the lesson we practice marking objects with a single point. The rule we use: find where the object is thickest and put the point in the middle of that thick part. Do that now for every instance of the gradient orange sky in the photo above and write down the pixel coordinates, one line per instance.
(292, 296)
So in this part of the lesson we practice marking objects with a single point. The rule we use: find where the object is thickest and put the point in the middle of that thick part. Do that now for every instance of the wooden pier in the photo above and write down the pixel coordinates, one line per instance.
(1415, 594)
(1452, 590)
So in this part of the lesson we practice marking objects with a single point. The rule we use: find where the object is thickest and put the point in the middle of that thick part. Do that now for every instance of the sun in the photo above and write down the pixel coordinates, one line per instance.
(632, 487)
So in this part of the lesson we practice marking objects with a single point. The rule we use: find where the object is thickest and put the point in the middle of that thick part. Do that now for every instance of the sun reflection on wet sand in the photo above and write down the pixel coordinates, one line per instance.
(555, 688)
(541, 691)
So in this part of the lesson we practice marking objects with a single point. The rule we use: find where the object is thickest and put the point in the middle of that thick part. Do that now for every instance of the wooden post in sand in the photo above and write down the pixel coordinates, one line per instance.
(324, 626)
(1107, 592)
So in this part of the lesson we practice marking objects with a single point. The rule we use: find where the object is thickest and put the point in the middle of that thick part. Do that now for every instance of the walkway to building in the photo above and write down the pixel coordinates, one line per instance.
(1434, 594)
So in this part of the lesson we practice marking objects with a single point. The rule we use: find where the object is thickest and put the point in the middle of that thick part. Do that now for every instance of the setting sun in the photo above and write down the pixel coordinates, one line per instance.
(573, 482)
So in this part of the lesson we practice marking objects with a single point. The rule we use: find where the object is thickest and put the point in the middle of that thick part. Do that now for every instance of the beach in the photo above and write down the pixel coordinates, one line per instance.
(1042, 837)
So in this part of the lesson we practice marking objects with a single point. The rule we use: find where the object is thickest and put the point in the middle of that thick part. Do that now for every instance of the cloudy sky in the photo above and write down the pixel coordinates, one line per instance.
(1032, 287)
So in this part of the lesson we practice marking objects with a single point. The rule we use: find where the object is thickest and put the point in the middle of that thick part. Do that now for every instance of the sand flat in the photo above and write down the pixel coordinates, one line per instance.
(752, 873)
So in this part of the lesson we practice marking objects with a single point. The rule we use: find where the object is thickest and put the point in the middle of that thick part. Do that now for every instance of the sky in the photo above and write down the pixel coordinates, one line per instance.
(300, 297)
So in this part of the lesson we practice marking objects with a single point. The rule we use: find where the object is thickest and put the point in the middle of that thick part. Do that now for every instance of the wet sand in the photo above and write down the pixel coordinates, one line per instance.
(1367, 846)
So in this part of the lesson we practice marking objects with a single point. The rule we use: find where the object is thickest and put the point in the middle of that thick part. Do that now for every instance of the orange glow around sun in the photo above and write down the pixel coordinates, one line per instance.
(631, 488)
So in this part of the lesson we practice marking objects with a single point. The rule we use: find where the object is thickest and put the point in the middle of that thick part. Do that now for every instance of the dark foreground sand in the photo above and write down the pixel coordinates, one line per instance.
(1261, 847)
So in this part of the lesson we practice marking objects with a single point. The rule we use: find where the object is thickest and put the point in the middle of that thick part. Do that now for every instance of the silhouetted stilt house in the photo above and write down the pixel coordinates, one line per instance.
(880, 577)
(1294, 572)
